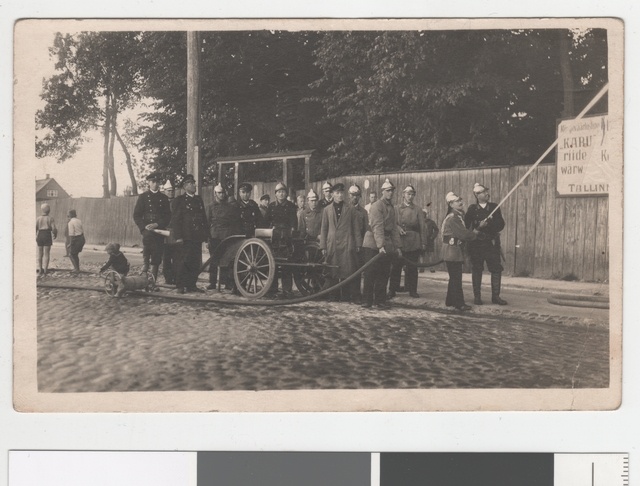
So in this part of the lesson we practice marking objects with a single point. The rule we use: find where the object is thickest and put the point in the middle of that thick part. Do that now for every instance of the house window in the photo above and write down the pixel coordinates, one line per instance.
(52, 193)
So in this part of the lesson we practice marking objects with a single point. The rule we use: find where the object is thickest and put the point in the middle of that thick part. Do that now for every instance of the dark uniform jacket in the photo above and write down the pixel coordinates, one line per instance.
(476, 214)
(282, 215)
(224, 219)
(432, 233)
(324, 203)
(309, 223)
(152, 207)
(189, 219)
(363, 219)
(250, 216)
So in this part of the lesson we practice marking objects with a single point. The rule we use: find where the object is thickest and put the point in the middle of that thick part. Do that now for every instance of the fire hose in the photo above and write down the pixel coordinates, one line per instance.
(587, 301)
(266, 303)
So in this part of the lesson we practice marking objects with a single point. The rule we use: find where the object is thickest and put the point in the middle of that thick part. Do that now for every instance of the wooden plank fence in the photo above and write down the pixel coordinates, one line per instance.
(545, 236)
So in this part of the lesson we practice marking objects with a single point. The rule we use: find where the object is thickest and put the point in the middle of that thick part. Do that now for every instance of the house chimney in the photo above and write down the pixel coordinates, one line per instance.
(47, 176)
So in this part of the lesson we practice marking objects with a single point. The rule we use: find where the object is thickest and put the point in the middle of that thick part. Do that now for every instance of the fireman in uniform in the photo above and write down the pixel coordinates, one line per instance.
(413, 233)
(486, 248)
(281, 216)
(454, 236)
(189, 226)
(169, 256)
(152, 211)
(224, 221)
(250, 214)
(355, 194)
(382, 237)
(327, 199)
(310, 219)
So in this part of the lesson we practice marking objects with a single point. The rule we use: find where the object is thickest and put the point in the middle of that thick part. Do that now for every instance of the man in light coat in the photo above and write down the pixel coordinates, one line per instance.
(340, 240)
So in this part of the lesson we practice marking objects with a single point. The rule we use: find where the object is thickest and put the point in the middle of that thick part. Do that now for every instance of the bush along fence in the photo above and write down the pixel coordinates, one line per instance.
(545, 236)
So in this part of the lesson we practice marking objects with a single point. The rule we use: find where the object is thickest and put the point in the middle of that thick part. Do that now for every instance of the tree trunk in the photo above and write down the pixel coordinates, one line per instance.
(112, 140)
(567, 77)
(105, 162)
(134, 184)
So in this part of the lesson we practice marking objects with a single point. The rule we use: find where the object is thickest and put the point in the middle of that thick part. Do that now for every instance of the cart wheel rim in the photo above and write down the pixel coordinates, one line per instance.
(254, 268)
(112, 280)
(310, 280)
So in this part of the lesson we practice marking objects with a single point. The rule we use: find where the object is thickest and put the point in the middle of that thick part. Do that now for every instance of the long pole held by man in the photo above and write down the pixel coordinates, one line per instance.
(486, 247)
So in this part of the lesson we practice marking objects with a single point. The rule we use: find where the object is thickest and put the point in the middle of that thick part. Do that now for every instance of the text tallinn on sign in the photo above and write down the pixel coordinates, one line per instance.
(583, 157)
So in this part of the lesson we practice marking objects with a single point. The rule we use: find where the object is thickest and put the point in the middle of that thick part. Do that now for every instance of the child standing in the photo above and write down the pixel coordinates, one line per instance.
(77, 240)
(46, 232)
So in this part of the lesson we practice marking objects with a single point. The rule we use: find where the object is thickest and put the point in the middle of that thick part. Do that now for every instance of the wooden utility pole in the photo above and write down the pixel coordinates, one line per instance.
(193, 108)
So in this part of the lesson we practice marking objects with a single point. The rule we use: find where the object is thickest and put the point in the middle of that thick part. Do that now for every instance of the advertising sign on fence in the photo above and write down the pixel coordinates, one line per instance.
(583, 157)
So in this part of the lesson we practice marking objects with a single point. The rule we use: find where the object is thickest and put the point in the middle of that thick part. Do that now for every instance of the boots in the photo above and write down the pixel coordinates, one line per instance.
(154, 272)
(476, 280)
(145, 267)
(496, 279)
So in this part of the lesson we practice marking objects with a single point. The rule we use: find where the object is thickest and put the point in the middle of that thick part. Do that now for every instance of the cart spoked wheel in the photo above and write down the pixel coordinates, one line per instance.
(112, 280)
(310, 280)
(254, 268)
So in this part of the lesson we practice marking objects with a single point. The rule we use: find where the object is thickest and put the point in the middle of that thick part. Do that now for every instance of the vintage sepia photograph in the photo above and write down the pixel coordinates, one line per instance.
(314, 215)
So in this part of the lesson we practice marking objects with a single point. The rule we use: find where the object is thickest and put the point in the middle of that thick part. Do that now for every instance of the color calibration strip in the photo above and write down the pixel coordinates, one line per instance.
(123, 468)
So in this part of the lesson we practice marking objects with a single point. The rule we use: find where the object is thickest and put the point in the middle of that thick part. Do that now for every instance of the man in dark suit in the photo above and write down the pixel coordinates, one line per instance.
(282, 217)
(224, 221)
(355, 193)
(169, 257)
(152, 211)
(486, 247)
(250, 214)
(189, 225)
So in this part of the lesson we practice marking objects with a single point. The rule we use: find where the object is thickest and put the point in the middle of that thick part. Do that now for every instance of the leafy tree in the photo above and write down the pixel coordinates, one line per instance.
(255, 98)
(366, 101)
(437, 99)
(98, 74)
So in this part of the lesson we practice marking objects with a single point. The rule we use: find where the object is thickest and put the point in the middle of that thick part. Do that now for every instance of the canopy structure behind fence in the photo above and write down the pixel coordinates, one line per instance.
(283, 157)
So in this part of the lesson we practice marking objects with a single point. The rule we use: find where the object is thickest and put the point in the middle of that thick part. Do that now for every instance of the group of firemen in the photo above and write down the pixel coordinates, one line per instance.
(348, 234)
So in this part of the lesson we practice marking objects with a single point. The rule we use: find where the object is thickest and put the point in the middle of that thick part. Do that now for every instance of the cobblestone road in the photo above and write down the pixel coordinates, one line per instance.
(88, 341)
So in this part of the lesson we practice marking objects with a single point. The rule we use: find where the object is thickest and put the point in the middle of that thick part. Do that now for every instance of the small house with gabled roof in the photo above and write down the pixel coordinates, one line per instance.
(49, 189)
